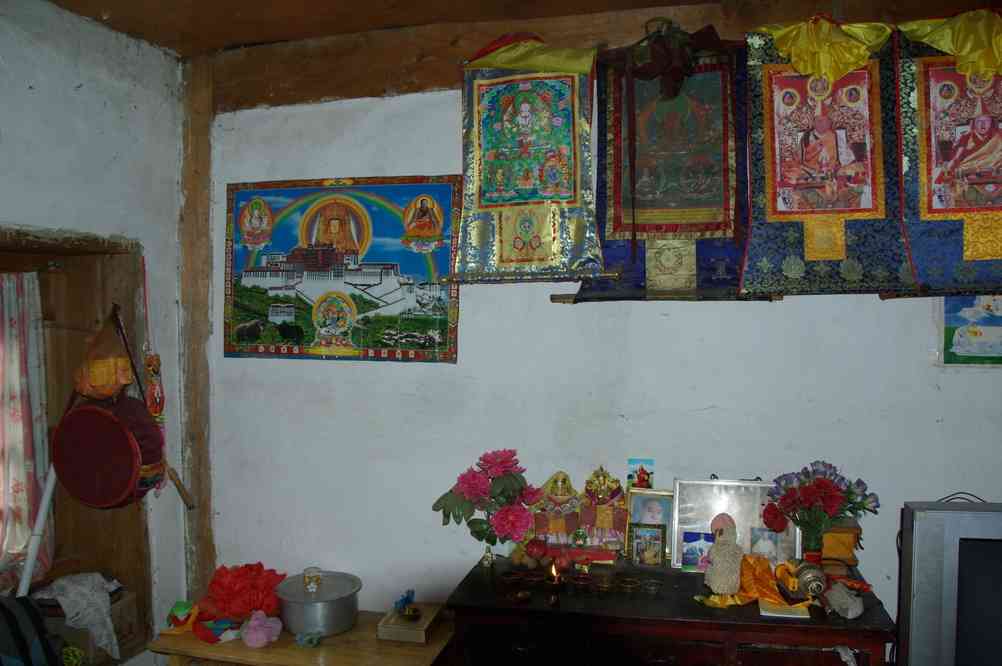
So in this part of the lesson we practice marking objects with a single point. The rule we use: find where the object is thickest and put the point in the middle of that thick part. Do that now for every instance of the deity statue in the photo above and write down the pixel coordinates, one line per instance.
(557, 513)
(603, 510)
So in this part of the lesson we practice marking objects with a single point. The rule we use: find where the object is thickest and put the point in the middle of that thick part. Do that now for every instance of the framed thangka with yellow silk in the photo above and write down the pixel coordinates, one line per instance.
(952, 171)
(686, 195)
(346, 269)
(528, 203)
(825, 203)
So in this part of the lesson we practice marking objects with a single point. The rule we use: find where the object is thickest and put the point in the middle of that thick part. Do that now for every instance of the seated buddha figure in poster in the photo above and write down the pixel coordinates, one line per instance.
(603, 510)
(973, 173)
(556, 514)
(823, 145)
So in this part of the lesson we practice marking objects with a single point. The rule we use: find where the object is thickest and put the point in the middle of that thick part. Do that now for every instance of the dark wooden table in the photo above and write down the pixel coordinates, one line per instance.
(669, 628)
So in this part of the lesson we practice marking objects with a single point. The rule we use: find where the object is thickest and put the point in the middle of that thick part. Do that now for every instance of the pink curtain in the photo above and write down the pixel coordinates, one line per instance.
(24, 457)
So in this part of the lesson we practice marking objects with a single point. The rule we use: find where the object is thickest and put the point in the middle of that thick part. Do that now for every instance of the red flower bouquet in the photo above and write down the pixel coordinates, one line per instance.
(235, 592)
(497, 488)
(813, 499)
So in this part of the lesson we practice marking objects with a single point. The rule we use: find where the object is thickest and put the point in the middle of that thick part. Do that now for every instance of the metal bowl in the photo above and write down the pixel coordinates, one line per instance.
(331, 610)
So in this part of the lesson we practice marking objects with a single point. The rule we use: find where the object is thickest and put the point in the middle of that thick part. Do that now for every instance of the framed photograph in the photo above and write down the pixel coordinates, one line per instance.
(696, 503)
(650, 507)
(647, 544)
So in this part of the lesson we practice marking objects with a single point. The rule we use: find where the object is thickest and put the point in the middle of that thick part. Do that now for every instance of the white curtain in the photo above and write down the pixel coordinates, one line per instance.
(24, 450)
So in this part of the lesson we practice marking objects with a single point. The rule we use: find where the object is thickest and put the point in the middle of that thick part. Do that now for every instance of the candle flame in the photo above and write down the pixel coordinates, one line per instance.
(553, 570)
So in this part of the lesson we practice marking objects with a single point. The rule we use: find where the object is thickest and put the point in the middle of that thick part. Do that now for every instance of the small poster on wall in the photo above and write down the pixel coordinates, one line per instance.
(344, 269)
(972, 330)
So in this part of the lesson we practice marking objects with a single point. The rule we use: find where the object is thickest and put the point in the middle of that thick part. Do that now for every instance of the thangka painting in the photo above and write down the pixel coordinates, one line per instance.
(972, 330)
(690, 185)
(528, 208)
(823, 162)
(347, 269)
(952, 168)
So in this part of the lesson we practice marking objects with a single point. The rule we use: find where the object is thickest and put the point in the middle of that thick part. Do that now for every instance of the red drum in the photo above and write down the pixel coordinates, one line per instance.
(109, 454)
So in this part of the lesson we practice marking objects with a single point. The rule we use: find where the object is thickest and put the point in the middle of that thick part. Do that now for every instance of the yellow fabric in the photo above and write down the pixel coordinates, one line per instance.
(603, 516)
(557, 525)
(974, 38)
(820, 47)
(103, 378)
(757, 582)
(536, 57)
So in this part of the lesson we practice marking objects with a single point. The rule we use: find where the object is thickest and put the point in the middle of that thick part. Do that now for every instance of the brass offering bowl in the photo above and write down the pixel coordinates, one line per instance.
(581, 583)
(604, 584)
(628, 585)
(512, 579)
(651, 586)
(533, 578)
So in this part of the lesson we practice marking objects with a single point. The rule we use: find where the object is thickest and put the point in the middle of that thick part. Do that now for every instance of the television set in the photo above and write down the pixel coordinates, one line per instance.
(950, 584)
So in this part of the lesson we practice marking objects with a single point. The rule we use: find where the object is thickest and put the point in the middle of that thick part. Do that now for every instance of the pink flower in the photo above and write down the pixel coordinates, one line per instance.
(512, 522)
(530, 495)
(473, 485)
(500, 462)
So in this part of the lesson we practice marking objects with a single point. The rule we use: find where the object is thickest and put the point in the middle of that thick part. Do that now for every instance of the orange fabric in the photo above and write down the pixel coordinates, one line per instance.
(757, 582)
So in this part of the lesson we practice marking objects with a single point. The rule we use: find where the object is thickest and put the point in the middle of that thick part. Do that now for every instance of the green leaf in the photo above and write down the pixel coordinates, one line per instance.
(457, 512)
(520, 483)
(441, 502)
(499, 487)
(468, 509)
(445, 517)
(478, 528)
(491, 538)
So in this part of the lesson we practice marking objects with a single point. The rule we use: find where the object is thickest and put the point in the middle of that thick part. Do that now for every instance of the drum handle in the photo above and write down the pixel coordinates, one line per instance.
(120, 327)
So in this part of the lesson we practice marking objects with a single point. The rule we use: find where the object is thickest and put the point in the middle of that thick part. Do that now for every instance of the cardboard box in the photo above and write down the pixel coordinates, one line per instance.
(124, 618)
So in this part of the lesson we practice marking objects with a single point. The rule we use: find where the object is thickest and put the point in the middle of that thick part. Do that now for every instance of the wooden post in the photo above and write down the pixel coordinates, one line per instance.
(195, 236)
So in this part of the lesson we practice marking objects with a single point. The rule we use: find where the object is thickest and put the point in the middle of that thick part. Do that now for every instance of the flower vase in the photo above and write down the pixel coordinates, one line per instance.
(812, 542)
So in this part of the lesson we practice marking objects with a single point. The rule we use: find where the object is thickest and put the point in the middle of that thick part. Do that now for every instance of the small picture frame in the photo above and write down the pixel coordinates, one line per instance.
(650, 507)
(696, 503)
(640, 473)
(647, 544)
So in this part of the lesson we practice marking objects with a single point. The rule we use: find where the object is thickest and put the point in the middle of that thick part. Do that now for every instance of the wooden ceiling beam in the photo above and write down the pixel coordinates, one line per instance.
(198, 27)
(424, 58)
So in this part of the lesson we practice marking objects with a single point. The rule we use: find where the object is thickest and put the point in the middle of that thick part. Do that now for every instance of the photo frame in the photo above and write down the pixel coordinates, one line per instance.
(648, 544)
(696, 503)
(650, 506)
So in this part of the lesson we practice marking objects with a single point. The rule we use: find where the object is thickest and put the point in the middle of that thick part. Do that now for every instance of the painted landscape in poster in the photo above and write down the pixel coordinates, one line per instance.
(342, 269)
(972, 331)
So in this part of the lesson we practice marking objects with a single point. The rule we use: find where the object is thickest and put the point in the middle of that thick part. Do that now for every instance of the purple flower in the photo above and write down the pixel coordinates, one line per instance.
(871, 502)
(842, 483)
(859, 488)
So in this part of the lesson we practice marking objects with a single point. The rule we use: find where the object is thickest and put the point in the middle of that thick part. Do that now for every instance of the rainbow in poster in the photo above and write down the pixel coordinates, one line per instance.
(346, 269)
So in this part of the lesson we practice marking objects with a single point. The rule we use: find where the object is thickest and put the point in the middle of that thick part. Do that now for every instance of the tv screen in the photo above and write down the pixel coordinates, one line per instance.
(979, 615)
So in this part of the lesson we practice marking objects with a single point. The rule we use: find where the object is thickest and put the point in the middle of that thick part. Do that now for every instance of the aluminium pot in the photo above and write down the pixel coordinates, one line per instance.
(331, 609)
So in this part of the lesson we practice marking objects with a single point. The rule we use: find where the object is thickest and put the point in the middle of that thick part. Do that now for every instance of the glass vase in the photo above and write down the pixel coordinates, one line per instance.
(812, 542)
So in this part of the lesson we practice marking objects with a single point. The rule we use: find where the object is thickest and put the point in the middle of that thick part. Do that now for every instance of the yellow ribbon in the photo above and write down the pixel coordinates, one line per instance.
(974, 38)
(537, 57)
(821, 47)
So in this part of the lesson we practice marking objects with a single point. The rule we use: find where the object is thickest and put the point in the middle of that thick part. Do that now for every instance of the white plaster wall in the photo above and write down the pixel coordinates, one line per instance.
(90, 133)
(338, 463)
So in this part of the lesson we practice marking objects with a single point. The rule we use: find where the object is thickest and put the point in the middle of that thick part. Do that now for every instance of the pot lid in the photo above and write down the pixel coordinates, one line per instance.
(333, 585)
